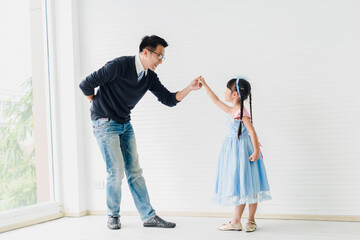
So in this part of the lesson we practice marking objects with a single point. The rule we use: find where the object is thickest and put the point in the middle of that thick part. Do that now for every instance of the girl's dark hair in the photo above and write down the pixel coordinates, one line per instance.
(152, 42)
(245, 92)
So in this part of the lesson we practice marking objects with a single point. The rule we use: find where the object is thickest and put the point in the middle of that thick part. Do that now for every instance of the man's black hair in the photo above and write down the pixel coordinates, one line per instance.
(152, 42)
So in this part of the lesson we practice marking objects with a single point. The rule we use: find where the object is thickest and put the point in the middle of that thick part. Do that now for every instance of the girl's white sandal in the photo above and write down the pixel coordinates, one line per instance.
(230, 227)
(250, 226)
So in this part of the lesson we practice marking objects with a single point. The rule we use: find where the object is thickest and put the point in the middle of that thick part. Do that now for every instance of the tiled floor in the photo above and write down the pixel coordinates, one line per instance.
(188, 228)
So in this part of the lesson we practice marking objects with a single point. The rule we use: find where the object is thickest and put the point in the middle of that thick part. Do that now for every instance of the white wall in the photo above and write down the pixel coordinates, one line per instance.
(302, 59)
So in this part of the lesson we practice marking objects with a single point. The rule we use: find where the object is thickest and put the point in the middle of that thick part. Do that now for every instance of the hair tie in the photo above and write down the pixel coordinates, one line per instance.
(237, 86)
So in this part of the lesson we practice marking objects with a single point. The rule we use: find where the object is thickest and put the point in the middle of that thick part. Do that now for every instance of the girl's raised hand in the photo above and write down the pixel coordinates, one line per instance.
(202, 81)
(254, 157)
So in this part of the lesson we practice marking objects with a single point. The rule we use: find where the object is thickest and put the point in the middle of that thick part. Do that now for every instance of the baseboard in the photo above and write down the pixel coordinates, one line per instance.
(77, 214)
(341, 218)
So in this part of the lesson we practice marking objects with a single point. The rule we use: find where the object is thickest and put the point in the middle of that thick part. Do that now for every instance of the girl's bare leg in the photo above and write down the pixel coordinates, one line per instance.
(252, 211)
(238, 213)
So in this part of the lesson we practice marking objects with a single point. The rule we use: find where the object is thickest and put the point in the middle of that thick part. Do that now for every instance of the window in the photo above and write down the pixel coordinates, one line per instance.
(26, 172)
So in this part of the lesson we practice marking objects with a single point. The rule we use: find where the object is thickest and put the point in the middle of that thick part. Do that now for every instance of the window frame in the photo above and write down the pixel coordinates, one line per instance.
(37, 213)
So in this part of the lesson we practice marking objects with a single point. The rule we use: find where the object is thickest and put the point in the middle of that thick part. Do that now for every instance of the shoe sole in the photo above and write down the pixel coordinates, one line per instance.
(114, 228)
(153, 225)
(230, 230)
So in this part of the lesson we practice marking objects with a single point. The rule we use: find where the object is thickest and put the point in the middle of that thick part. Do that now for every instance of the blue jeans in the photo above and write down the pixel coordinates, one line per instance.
(118, 147)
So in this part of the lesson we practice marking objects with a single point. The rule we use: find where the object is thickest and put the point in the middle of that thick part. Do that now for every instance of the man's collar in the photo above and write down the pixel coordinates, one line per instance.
(139, 66)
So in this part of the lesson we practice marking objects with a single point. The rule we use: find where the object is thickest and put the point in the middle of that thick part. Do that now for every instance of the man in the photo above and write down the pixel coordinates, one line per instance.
(122, 83)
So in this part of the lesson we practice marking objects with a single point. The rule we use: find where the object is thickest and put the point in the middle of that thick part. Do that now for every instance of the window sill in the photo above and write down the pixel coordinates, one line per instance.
(22, 217)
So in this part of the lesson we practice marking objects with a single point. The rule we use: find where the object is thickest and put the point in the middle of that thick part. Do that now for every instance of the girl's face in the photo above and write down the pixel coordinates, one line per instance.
(230, 96)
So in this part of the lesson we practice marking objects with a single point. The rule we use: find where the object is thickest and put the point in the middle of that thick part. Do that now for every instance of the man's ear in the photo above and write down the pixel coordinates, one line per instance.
(145, 52)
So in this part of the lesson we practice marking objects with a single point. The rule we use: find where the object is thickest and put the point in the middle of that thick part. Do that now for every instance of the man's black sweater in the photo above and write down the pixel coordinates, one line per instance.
(119, 89)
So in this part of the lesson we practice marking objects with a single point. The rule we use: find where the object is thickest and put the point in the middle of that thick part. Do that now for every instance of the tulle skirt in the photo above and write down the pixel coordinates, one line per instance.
(240, 181)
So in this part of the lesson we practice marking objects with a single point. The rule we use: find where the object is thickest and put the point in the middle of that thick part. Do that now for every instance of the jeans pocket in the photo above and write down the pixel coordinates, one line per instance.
(101, 123)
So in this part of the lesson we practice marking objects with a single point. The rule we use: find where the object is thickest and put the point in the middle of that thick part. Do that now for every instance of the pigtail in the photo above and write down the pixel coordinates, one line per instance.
(243, 89)
(241, 113)
(251, 109)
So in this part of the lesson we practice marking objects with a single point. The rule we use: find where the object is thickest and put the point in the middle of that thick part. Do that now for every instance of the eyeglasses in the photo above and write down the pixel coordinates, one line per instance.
(160, 56)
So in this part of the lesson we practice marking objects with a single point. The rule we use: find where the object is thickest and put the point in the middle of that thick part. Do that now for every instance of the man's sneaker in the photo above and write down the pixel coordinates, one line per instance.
(158, 222)
(114, 223)
(250, 226)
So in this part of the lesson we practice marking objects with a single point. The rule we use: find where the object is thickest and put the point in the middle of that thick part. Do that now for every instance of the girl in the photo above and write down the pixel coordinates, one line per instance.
(241, 176)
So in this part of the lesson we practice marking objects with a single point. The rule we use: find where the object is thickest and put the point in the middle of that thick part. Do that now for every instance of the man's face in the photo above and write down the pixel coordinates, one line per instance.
(152, 56)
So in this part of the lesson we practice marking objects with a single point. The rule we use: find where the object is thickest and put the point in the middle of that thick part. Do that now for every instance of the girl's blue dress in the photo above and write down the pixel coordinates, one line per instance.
(240, 181)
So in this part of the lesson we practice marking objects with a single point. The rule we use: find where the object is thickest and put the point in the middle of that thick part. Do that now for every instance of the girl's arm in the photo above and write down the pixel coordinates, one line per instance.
(254, 139)
(214, 98)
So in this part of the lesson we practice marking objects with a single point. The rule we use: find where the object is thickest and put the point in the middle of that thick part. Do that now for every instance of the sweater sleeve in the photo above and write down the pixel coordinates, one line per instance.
(109, 72)
(163, 95)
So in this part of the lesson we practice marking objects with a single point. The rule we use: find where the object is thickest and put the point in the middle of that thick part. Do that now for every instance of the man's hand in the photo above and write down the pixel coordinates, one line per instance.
(91, 97)
(195, 84)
